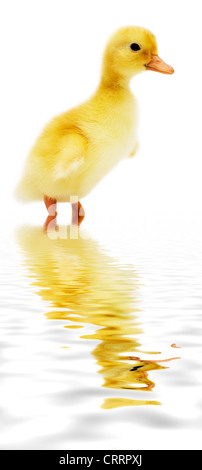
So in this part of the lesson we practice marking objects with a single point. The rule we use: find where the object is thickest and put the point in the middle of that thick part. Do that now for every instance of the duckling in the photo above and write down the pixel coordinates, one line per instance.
(79, 147)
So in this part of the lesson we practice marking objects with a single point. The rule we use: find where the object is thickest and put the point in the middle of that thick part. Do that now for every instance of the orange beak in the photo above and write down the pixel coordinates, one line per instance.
(158, 65)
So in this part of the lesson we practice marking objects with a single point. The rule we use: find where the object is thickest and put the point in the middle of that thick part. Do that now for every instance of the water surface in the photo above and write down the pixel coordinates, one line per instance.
(99, 350)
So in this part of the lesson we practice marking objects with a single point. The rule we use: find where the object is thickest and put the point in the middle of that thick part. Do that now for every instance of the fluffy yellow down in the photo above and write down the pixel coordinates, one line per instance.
(77, 148)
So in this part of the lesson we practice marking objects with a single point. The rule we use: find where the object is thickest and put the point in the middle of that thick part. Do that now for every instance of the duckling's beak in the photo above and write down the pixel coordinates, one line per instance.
(158, 65)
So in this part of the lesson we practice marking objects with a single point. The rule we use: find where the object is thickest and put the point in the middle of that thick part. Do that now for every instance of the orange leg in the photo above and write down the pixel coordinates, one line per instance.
(51, 206)
(78, 213)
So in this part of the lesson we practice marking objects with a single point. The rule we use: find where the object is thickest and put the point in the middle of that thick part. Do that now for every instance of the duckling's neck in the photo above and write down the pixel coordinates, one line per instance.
(113, 79)
(114, 84)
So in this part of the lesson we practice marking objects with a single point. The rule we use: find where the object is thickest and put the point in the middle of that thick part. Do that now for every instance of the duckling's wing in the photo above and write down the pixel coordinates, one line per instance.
(71, 155)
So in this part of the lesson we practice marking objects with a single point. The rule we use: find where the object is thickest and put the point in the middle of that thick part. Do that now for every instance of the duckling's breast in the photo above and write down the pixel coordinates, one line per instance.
(111, 139)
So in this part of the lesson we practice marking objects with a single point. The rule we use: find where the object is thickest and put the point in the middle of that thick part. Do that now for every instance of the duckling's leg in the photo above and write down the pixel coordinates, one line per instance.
(78, 213)
(51, 205)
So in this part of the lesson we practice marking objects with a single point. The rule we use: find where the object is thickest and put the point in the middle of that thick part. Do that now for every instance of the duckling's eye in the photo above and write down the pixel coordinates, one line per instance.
(135, 47)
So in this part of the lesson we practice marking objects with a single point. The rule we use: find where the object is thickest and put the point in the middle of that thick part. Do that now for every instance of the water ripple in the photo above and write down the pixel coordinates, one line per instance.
(90, 340)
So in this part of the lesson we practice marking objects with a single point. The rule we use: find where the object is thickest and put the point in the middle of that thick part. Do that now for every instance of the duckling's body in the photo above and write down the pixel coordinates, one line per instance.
(102, 131)
(79, 147)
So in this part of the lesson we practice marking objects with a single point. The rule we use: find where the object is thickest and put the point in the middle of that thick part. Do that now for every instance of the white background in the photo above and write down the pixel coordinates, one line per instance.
(50, 61)
(51, 54)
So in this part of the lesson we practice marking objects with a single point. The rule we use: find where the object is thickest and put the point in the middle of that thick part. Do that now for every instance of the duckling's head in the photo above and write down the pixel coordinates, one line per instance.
(130, 51)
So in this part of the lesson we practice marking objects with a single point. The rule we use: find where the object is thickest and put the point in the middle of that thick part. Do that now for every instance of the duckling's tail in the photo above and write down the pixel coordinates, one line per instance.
(25, 191)
(20, 193)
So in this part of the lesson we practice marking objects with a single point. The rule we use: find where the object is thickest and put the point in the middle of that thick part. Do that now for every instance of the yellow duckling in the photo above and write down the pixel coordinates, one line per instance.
(79, 147)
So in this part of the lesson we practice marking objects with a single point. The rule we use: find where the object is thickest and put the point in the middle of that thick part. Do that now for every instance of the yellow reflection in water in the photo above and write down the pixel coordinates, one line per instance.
(85, 285)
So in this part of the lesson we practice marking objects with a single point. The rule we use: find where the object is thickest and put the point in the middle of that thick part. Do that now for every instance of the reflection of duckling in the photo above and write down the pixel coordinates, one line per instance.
(84, 285)
(78, 148)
